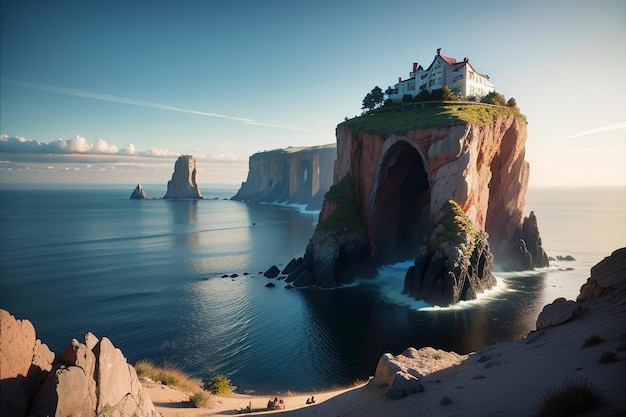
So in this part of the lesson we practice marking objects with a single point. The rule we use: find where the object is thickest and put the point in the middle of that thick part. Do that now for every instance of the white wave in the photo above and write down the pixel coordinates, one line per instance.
(391, 283)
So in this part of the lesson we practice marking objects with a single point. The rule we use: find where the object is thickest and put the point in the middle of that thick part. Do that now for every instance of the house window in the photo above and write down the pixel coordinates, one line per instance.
(411, 86)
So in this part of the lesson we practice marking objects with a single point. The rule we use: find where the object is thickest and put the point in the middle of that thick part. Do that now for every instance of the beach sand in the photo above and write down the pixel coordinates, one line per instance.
(507, 379)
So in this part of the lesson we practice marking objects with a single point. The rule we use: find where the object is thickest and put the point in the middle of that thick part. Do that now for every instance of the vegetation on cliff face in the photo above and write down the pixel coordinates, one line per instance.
(416, 116)
(345, 219)
(455, 229)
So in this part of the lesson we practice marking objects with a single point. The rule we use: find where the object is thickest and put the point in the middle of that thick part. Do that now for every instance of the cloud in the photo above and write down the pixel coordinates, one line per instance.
(77, 144)
(608, 128)
(141, 103)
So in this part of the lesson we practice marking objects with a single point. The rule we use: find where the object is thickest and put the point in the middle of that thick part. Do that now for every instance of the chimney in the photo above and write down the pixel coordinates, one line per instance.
(465, 60)
(399, 80)
(438, 51)
(415, 67)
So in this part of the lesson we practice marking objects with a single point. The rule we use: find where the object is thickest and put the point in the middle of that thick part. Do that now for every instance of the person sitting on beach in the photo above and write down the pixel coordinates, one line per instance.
(308, 400)
(312, 399)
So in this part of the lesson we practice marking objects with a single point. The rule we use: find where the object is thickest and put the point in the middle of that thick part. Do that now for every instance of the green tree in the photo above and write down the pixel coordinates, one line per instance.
(368, 102)
(447, 94)
(494, 98)
(378, 97)
(373, 99)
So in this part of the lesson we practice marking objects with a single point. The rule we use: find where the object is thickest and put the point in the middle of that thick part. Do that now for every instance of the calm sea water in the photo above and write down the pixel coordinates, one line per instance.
(148, 275)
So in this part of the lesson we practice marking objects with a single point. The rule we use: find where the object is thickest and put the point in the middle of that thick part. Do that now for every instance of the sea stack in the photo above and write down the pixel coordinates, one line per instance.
(139, 193)
(183, 183)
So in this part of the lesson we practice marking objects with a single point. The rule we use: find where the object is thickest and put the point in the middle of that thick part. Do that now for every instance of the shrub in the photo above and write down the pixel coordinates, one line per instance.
(200, 399)
(594, 339)
(571, 398)
(446, 401)
(169, 375)
(607, 357)
(219, 384)
(437, 356)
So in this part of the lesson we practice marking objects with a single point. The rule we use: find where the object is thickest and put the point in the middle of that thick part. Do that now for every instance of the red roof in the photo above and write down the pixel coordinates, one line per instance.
(448, 59)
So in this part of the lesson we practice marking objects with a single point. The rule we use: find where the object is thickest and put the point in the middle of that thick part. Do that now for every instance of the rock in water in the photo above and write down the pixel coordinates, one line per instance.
(139, 193)
(183, 183)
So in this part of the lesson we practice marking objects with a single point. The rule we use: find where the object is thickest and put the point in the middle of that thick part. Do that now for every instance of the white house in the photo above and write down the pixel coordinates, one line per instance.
(460, 76)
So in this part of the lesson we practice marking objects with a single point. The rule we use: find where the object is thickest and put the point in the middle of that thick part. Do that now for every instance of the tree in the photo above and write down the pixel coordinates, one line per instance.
(447, 94)
(373, 99)
(494, 98)
(368, 102)
(378, 97)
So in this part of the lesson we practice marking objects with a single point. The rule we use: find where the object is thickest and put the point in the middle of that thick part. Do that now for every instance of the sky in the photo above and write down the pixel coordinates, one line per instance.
(113, 91)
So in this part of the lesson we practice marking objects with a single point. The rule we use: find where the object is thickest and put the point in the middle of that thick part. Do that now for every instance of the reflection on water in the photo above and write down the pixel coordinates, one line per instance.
(147, 274)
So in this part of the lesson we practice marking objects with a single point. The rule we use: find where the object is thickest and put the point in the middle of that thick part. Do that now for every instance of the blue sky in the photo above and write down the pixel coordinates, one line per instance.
(128, 85)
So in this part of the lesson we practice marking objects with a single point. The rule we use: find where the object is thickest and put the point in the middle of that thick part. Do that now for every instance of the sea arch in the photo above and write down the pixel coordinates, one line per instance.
(399, 203)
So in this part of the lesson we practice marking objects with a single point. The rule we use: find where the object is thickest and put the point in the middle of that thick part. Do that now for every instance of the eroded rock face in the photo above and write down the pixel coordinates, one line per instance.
(401, 183)
(139, 193)
(89, 379)
(454, 265)
(24, 365)
(292, 176)
(183, 183)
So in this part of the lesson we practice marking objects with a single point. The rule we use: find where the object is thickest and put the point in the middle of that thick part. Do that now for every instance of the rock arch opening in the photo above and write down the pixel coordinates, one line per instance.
(400, 205)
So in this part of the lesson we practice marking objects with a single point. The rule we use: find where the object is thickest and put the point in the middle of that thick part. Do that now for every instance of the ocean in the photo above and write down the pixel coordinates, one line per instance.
(149, 275)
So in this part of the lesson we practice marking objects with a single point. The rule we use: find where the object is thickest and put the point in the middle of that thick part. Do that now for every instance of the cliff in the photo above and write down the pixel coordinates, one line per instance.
(291, 175)
(183, 183)
(405, 169)
(89, 379)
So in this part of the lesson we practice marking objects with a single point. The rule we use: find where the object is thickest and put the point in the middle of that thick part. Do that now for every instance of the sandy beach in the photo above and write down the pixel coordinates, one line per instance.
(506, 379)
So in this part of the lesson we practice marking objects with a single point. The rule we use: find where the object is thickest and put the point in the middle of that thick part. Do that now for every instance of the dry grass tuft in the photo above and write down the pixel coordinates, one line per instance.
(170, 375)
(573, 397)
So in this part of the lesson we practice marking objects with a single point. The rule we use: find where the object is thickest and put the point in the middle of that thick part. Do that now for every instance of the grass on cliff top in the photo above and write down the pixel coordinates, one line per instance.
(427, 116)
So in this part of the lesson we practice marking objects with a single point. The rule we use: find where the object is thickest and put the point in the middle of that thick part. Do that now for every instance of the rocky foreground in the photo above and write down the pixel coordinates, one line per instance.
(576, 342)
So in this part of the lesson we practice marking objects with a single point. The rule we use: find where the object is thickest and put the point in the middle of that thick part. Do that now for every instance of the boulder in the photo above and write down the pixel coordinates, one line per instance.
(183, 183)
(65, 393)
(411, 365)
(139, 193)
(272, 272)
(25, 363)
(293, 264)
(90, 378)
(404, 384)
(608, 276)
(558, 312)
